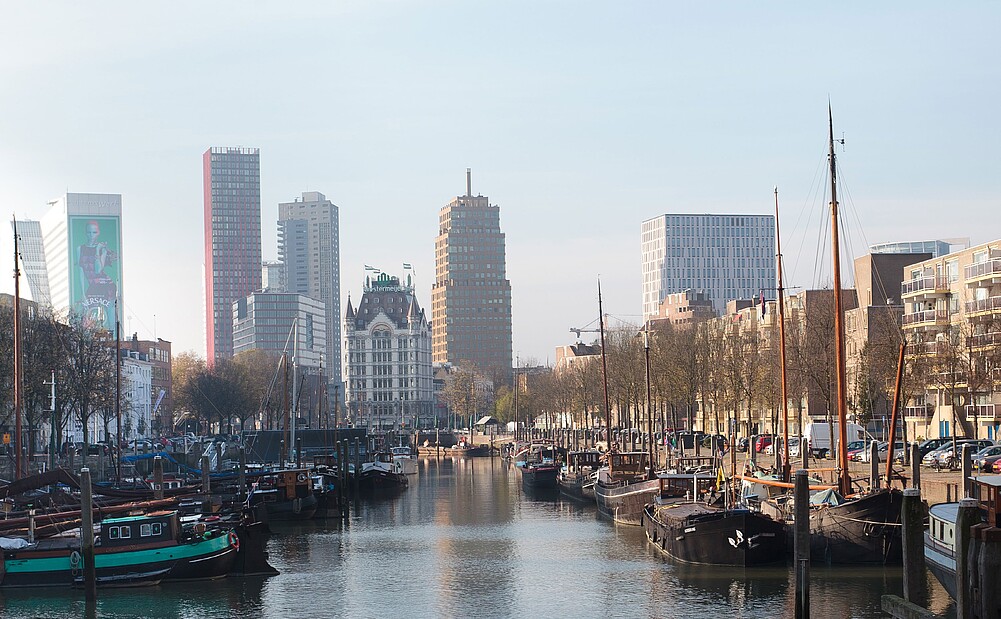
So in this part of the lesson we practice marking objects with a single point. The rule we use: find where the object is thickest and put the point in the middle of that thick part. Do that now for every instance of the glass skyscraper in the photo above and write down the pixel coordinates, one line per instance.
(726, 256)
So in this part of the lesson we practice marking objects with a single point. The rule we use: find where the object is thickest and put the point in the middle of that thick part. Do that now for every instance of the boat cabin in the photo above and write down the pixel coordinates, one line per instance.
(627, 465)
(682, 485)
(580, 460)
(989, 491)
(157, 527)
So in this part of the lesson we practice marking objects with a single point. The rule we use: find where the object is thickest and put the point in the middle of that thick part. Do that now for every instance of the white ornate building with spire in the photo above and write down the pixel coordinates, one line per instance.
(387, 358)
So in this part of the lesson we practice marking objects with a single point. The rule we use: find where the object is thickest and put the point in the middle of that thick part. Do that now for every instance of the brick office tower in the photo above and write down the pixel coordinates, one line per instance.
(471, 297)
(232, 188)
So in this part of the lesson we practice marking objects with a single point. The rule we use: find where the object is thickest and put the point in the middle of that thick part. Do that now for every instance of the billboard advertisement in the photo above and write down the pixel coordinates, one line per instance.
(96, 271)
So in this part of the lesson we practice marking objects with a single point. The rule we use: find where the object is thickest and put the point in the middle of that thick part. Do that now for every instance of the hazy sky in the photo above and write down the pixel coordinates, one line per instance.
(579, 119)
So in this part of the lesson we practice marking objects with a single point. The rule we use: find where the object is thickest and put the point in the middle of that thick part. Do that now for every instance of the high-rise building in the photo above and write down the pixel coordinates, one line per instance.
(309, 249)
(471, 296)
(273, 276)
(232, 193)
(82, 238)
(265, 321)
(726, 256)
(388, 357)
(32, 251)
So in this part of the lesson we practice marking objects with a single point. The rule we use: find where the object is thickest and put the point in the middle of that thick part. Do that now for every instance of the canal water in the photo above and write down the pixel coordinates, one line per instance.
(466, 540)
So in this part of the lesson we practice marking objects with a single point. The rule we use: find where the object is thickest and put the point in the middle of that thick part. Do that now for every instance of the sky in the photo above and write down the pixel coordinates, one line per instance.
(579, 119)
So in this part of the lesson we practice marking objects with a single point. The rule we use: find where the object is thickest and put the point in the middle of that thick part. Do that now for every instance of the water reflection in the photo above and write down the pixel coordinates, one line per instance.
(464, 539)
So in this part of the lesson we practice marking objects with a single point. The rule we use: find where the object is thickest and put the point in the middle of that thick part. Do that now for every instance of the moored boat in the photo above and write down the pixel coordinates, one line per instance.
(940, 544)
(406, 458)
(577, 477)
(539, 475)
(133, 551)
(382, 474)
(623, 488)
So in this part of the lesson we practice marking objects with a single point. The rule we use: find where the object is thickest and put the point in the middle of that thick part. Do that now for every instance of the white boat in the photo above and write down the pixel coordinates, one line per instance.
(404, 458)
(940, 544)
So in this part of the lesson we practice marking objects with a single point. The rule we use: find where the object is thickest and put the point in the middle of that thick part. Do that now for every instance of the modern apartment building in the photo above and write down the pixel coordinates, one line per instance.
(387, 357)
(265, 321)
(952, 321)
(232, 221)
(82, 238)
(727, 256)
(938, 247)
(309, 250)
(471, 295)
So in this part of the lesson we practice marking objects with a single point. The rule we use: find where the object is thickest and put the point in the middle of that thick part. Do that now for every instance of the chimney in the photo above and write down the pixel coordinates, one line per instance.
(469, 182)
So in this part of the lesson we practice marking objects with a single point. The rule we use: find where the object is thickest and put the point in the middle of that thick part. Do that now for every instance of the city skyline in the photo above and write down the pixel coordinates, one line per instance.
(590, 124)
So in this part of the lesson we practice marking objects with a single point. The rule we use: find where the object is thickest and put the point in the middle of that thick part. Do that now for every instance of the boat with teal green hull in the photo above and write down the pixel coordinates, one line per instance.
(128, 552)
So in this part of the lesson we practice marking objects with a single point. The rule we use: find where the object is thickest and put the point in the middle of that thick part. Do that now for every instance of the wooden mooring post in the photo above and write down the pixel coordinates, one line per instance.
(87, 535)
(913, 519)
(801, 543)
(916, 466)
(967, 468)
(206, 485)
(242, 479)
(968, 515)
(157, 477)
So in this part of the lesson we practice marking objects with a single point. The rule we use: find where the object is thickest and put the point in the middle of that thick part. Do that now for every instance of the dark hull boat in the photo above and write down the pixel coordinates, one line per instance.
(865, 530)
(286, 495)
(539, 476)
(474, 451)
(696, 533)
(576, 480)
(134, 551)
(381, 476)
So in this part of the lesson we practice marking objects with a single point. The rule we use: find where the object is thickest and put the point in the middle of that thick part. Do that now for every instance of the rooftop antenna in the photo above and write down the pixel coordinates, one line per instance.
(469, 182)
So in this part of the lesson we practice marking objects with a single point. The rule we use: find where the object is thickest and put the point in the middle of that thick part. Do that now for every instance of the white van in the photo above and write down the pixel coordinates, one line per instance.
(818, 436)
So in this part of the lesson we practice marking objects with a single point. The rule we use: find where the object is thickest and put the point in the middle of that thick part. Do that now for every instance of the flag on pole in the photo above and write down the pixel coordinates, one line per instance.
(407, 265)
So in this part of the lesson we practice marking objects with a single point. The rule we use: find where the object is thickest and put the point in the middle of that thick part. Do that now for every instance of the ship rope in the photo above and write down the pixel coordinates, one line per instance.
(873, 522)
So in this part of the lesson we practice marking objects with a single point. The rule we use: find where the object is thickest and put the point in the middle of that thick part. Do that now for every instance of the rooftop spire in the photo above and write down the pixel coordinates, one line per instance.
(469, 182)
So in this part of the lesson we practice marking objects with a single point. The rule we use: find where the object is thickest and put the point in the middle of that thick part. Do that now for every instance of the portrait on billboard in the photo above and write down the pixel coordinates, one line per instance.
(95, 279)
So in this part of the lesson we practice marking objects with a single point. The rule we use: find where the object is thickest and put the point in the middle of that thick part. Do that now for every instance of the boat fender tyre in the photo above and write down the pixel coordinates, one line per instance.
(75, 560)
(296, 506)
(234, 540)
(301, 477)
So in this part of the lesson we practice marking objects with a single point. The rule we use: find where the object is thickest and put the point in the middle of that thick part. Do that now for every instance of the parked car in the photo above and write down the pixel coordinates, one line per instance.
(883, 451)
(777, 444)
(855, 449)
(944, 456)
(984, 459)
(932, 444)
(742, 443)
(763, 441)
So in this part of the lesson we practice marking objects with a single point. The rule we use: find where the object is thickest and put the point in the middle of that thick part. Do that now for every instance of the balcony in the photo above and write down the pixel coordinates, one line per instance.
(984, 340)
(984, 308)
(918, 412)
(927, 318)
(983, 272)
(980, 412)
(929, 348)
(924, 287)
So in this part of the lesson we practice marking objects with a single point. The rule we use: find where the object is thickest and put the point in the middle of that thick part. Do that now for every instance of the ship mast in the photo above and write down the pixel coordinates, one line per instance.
(786, 465)
(18, 369)
(844, 477)
(604, 373)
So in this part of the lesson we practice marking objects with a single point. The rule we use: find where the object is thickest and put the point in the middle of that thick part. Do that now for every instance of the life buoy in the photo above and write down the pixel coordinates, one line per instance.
(301, 477)
(234, 540)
